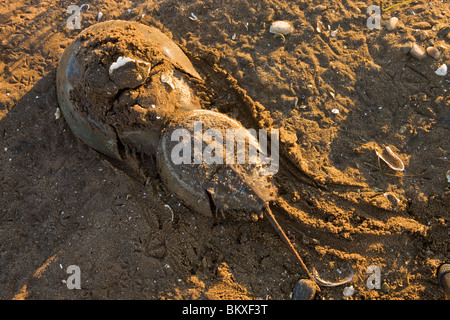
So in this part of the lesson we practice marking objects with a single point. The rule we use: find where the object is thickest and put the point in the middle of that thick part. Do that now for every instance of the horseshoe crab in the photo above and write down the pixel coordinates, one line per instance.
(207, 187)
(119, 81)
(122, 85)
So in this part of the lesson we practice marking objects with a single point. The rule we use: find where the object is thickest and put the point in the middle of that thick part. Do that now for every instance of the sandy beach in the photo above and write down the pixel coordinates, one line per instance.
(353, 103)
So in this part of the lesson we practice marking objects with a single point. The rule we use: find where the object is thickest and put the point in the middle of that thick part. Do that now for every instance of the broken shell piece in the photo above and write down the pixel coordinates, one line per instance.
(193, 17)
(392, 23)
(448, 176)
(167, 80)
(129, 73)
(442, 70)
(121, 61)
(395, 198)
(348, 291)
(57, 113)
(333, 33)
(326, 283)
(433, 52)
(417, 52)
(395, 163)
(281, 27)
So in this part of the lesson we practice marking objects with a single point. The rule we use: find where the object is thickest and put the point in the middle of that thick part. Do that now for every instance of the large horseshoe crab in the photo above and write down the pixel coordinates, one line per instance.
(126, 85)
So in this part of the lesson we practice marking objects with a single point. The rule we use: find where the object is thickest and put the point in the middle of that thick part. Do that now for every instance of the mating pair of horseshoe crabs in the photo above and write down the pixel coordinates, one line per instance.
(123, 85)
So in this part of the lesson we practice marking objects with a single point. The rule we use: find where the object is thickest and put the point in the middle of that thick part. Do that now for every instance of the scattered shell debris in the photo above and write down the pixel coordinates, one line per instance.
(398, 163)
(442, 70)
(281, 27)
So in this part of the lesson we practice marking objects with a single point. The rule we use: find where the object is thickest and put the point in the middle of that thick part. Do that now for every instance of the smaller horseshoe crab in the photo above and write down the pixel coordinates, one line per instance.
(209, 187)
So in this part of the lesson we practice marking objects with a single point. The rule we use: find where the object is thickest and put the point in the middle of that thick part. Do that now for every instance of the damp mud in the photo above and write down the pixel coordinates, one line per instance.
(340, 94)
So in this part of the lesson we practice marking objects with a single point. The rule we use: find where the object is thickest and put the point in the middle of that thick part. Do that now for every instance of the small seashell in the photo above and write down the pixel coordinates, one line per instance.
(448, 176)
(193, 17)
(392, 23)
(99, 16)
(57, 113)
(423, 35)
(318, 26)
(281, 27)
(442, 70)
(394, 162)
(348, 291)
(335, 111)
(417, 52)
(433, 52)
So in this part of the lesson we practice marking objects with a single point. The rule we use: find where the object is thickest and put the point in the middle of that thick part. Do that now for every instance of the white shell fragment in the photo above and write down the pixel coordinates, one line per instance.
(348, 291)
(167, 80)
(417, 52)
(57, 113)
(281, 27)
(99, 16)
(442, 70)
(398, 164)
(193, 17)
(326, 283)
(121, 61)
(392, 23)
(448, 176)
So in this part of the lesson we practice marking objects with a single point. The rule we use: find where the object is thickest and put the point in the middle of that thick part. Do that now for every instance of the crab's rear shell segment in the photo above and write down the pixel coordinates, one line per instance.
(98, 132)
(214, 187)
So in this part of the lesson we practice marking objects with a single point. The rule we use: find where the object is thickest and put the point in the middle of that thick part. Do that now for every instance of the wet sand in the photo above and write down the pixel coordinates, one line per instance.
(337, 91)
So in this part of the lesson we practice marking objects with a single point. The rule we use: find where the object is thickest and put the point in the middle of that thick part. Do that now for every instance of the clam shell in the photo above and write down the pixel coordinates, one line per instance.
(281, 27)
(442, 70)
(417, 52)
(433, 52)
